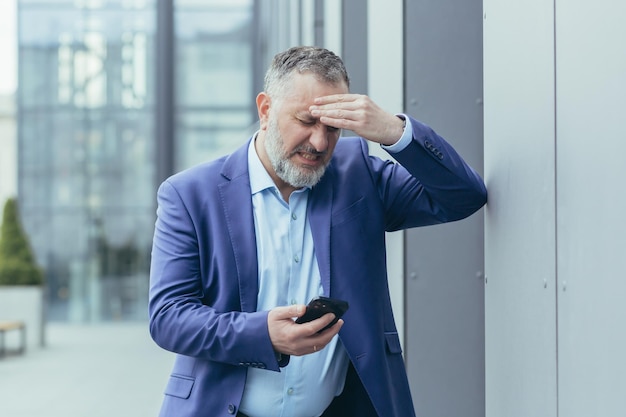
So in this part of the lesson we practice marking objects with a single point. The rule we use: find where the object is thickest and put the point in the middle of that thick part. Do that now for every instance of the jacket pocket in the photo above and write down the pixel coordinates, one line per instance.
(179, 386)
(353, 211)
(393, 342)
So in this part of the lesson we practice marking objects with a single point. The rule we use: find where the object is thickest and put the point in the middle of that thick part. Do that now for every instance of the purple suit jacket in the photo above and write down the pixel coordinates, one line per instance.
(203, 278)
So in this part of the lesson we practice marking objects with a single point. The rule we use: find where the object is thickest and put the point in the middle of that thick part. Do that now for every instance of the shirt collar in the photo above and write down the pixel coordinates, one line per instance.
(259, 177)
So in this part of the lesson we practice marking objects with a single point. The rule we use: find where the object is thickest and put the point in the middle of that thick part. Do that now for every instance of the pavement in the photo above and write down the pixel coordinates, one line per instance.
(97, 370)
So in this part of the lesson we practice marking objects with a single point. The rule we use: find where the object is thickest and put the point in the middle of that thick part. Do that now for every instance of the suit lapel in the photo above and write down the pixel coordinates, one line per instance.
(237, 203)
(319, 212)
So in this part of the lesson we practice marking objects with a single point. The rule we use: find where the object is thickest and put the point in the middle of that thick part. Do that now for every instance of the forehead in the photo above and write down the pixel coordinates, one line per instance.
(302, 89)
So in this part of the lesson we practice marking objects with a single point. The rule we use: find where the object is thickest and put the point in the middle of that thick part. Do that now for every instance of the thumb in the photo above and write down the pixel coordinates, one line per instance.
(288, 312)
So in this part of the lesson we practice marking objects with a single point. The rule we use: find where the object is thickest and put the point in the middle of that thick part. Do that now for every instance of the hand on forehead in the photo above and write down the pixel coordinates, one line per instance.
(360, 114)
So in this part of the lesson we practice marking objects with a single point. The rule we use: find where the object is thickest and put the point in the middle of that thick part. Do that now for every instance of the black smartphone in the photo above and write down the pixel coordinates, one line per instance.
(322, 305)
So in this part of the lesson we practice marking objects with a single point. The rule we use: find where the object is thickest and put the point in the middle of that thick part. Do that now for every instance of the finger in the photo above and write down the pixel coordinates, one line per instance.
(287, 312)
(333, 330)
(317, 341)
(342, 113)
(335, 98)
(316, 326)
(337, 110)
(346, 124)
(321, 339)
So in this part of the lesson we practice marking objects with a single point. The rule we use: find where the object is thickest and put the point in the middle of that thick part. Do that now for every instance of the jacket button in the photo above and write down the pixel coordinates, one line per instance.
(231, 409)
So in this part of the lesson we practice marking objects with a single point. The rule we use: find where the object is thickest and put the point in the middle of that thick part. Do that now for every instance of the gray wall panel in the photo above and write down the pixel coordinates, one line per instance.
(354, 47)
(591, 205)
(519, 223)
(444, 264)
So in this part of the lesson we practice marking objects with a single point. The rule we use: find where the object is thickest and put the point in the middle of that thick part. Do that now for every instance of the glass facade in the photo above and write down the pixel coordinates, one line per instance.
(8, 153)
(90, 112)
(214, 99)
(85, 128)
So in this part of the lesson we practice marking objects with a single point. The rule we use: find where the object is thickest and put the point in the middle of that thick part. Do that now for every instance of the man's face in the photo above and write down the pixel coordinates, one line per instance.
(298, 146)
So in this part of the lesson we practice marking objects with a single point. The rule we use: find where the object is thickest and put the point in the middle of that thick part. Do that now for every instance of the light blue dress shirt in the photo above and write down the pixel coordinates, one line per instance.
(289, 274)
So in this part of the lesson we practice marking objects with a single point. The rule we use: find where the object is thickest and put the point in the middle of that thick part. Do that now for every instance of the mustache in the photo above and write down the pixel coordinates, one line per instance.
(308, 149)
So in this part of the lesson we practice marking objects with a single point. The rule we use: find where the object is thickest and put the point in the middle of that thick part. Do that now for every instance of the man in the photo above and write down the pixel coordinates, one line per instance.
(244, 242)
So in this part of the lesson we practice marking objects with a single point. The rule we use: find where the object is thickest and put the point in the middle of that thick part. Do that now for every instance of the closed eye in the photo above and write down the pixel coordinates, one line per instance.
(308, 122)
(313, 122)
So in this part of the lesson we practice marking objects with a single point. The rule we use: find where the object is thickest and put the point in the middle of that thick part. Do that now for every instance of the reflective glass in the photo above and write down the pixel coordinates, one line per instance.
(86, 151)
(214, 73)
(87, 145)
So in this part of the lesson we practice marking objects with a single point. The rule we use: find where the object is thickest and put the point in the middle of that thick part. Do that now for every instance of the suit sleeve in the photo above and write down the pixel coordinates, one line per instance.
(432, 183)
(182, 320)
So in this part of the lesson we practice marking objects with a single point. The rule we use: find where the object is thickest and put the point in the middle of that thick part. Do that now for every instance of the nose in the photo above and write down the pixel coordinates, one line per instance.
(319, 138)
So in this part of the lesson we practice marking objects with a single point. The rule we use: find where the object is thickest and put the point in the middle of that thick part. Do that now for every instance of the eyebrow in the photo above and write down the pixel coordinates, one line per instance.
(306, 116)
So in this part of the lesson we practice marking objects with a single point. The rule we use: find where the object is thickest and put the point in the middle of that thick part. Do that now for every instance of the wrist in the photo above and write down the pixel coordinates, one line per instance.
(405, 139)
(397, 131)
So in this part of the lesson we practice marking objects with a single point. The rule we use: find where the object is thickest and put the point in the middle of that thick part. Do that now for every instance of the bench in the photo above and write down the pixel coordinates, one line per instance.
(7, 326)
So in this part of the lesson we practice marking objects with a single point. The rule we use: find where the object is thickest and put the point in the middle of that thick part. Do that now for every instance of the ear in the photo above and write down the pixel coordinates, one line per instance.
(263, 104)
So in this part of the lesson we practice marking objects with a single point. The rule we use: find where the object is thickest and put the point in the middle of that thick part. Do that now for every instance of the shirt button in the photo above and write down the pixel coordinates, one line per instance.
(294, 301)
(290, 391)
(293, 216)
(296, 259)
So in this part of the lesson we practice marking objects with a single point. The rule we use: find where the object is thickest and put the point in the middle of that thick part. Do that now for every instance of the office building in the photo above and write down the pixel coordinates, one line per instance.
(89, 152)
(8, 151)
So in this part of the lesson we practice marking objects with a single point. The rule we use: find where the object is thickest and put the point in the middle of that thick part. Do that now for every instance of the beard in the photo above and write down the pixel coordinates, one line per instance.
(293, 174)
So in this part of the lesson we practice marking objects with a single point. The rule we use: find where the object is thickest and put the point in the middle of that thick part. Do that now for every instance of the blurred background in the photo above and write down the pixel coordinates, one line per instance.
(97, 125)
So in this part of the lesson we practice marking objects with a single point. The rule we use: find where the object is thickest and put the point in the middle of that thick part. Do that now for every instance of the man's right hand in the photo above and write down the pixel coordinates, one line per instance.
(295, 339)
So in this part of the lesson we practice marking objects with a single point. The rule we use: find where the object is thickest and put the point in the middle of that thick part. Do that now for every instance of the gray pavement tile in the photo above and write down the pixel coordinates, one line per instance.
(99, 370)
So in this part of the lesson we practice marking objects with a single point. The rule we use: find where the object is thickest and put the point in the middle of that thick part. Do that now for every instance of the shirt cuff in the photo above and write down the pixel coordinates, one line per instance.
(405, 139)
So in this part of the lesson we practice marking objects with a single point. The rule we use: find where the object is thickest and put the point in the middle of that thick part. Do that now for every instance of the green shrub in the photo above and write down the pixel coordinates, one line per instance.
(17, 260)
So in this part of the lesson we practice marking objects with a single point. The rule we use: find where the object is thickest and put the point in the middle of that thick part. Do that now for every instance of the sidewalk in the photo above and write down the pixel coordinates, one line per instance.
(101, 370)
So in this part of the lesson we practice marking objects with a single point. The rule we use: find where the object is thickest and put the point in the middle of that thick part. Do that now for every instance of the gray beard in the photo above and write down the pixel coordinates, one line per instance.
(292, 174)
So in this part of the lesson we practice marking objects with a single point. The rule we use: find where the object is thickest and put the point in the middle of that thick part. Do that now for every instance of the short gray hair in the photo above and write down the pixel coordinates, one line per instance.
(325, 65)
